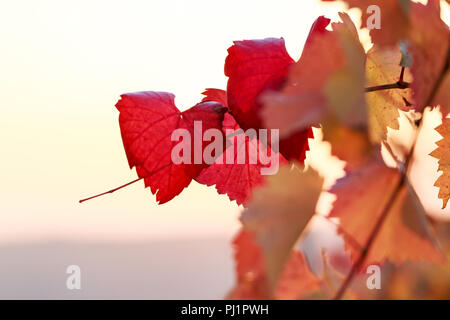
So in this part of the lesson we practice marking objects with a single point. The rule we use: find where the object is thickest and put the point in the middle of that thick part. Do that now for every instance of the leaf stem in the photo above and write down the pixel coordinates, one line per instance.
(402, 74)
(397, 85)
(358, 264)
(403, 181)
(110, 191)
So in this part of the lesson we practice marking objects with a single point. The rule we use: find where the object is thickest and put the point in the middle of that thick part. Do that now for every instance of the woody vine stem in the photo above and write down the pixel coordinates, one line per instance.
(403, 181)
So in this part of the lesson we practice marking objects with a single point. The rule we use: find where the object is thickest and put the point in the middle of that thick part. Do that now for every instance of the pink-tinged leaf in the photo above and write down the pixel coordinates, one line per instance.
(296, 281)
(147, 121)
(232, 174)
(429, 46)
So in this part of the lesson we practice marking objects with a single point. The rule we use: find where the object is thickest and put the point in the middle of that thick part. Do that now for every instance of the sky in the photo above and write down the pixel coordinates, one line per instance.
(63, 67)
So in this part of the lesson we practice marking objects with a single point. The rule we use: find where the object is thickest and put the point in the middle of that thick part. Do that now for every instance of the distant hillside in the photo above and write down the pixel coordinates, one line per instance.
(182, 269)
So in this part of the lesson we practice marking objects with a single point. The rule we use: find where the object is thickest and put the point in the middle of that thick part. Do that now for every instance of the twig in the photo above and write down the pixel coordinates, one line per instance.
(397, 85)
(403, 180)
(110, 191)
(402, 74)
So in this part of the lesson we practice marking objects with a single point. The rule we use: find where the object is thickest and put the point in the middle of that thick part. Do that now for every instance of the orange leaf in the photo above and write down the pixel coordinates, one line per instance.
(361, 198)
(443, 154)
(296, 281)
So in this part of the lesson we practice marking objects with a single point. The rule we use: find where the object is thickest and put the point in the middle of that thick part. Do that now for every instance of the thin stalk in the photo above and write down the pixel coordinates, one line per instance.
(396, 85)
(110, 191)
(402, 182)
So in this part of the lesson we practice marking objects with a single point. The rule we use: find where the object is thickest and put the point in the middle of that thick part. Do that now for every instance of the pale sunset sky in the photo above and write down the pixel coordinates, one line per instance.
(63, 66)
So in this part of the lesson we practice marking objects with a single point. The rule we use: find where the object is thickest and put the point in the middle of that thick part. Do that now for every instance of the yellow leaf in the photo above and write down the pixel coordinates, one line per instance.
(383, 67)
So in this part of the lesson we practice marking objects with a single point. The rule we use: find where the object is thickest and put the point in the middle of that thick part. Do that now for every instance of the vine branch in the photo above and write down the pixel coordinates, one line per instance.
(402, 181)
(397, 85)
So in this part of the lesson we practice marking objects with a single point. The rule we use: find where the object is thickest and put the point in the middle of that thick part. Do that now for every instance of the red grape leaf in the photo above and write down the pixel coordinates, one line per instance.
(279, 212)
(383, 67)
(327, 82)
(443, 154)
(361, 198)
(296, 280)
(232, 178)
(216, 95)
(147, 121)
(255, 67)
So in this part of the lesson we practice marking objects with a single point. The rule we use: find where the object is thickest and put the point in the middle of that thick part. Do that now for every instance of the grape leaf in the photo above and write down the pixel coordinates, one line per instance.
(296, 280)
(327, 82)
(429, 46)
(147, 121)
(255, 67)
(442, 153)
(235, 179)
(278, 213)
(383, 67)
(361, 197)
(252, 66)
(426, 35)
(351, 145)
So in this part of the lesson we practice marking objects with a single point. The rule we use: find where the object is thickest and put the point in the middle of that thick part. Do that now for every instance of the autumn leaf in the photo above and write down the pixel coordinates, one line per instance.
(351, 145)
(296, 281)
(429, 47)
(278, 213)
(327, 82)
(147, 121)
(255, 67)
(361, 197)
(252, 65)
(233, 173)
(426, 36)
(383, 67)
(442, 153)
